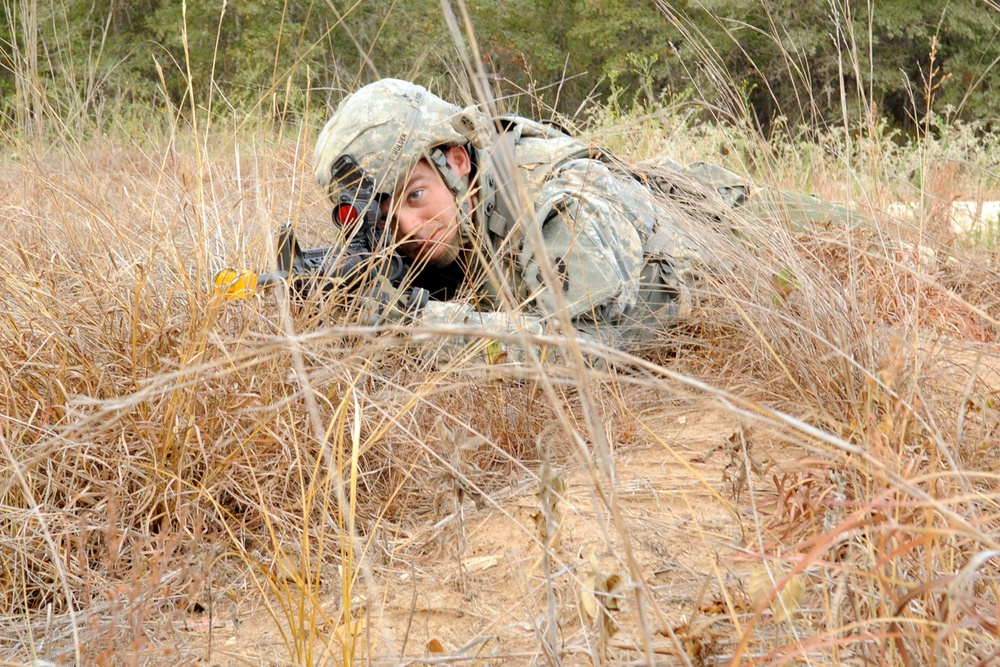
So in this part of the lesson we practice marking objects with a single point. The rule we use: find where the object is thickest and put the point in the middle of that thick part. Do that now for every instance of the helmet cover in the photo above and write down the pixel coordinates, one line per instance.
(387, 127)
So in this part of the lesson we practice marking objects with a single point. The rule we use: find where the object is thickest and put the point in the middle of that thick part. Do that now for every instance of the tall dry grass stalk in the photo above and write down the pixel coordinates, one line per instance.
(167, 455)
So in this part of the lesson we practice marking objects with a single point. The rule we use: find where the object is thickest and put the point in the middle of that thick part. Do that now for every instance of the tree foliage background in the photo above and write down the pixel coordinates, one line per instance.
(788, 61)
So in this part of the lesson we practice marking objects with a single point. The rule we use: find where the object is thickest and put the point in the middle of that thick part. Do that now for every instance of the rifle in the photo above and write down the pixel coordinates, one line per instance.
(364, 267)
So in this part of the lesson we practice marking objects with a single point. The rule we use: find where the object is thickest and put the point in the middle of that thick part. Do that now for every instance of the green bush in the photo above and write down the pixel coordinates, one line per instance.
(768, 61)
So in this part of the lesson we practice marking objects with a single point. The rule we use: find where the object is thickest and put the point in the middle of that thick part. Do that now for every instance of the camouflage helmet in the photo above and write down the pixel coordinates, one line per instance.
(387, 127)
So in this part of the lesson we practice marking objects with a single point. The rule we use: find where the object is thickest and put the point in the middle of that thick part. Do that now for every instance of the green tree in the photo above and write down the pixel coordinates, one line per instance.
(898, 57)
(567, 52)
(762, 59)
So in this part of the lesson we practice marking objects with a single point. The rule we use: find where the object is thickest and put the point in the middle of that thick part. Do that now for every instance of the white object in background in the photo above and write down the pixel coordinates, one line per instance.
(974, 217)
(965, 218)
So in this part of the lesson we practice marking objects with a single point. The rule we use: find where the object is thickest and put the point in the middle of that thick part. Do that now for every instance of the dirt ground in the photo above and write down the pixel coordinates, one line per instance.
(694, 490)
(666, 566)
(692, 547)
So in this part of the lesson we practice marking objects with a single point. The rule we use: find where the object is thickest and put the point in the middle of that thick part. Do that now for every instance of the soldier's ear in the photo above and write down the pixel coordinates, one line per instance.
(458, 160)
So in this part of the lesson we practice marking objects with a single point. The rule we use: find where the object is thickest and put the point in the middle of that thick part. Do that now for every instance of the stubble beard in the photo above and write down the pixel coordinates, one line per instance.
(452, 249)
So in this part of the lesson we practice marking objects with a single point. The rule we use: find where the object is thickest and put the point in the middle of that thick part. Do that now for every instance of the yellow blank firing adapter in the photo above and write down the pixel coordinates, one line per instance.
(236, 284)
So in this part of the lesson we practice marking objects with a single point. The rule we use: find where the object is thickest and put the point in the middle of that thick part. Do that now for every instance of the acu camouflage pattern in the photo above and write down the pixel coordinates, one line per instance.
(620, 243)
(388, 126)
(622, 263)
(625, 244)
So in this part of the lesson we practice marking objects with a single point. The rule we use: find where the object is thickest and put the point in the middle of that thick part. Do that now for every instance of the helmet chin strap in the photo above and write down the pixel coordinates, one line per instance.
(473, 238)
(460, 188)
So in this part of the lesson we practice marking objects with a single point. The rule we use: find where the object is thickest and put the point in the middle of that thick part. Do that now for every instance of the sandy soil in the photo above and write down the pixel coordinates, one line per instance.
(697, 511)
(691, 544)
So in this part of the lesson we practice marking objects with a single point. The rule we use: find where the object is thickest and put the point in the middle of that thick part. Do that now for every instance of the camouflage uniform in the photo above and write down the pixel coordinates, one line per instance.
(622, 259)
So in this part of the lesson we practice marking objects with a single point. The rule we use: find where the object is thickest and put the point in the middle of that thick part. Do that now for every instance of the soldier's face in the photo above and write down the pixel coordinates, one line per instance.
(423, 212)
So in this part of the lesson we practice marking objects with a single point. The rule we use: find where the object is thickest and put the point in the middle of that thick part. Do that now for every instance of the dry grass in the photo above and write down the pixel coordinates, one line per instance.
(166, 456)
(167, 453)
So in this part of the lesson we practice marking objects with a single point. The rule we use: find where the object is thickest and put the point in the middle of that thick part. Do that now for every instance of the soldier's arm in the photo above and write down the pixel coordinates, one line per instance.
(621, 263)
(456, 331)
(590, 243)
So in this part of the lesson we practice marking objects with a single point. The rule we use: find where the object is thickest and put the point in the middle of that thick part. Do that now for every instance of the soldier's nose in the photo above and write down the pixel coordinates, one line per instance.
(405, 225)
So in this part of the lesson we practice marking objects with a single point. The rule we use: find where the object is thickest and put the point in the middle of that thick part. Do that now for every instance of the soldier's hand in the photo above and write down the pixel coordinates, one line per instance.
(390, 306)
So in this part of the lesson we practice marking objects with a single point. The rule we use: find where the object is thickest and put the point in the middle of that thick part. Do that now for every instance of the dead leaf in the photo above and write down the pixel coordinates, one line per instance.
(791, 597)
(548, 520)
(784, 283)
(759, 586)
(350, 634)
(481, 563)
(587, 599)
(610, 600)
(786, 601)
(598, 597)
